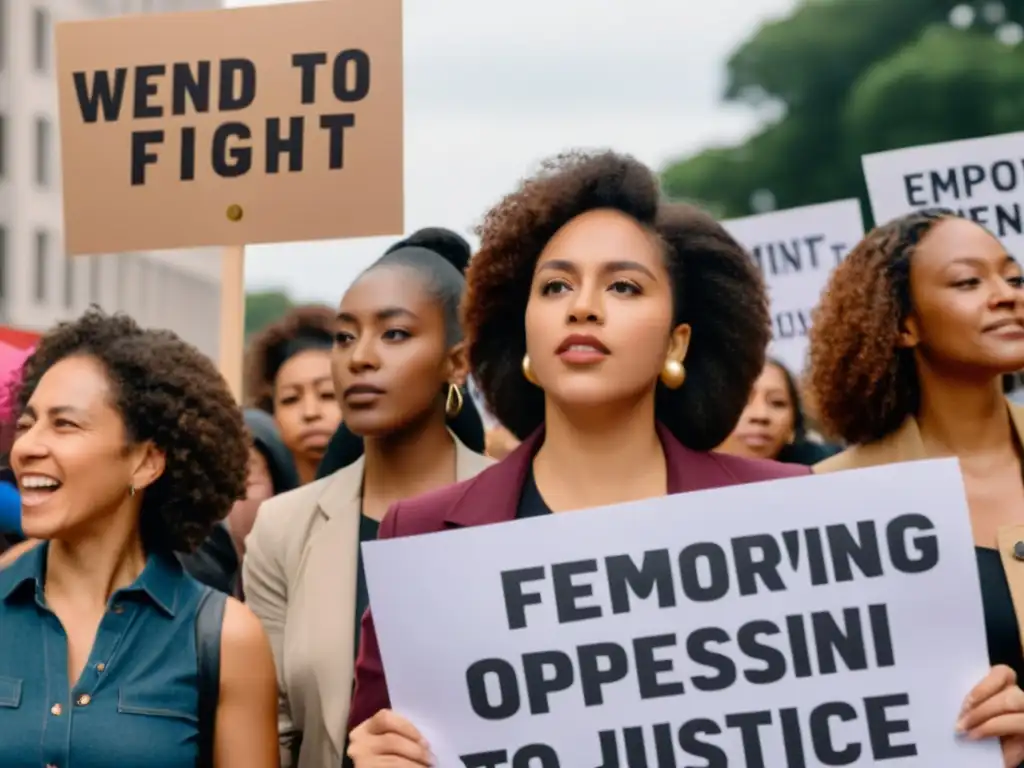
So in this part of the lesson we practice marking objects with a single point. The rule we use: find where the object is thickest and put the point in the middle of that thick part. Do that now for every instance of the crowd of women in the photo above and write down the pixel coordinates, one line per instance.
(188, 588)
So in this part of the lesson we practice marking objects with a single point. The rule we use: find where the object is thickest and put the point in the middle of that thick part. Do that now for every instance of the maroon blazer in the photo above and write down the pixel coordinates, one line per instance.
(493, 497)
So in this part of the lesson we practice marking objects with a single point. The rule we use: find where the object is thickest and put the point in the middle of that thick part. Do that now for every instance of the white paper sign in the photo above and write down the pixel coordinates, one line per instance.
(796, 250)
(834, 617)
(982, 179)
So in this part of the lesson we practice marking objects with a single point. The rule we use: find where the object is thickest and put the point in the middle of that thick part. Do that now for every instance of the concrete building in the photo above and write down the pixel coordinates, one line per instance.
(39, 286)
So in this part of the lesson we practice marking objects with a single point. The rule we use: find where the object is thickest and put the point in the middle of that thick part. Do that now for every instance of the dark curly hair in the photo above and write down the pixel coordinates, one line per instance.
(307, 326)
(861, 384)
(167, 392)
(717, 290)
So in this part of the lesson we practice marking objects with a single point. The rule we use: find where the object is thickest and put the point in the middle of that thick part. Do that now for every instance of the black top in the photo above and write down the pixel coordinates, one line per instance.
(1000, 618)
(531, 503)
(368, 528)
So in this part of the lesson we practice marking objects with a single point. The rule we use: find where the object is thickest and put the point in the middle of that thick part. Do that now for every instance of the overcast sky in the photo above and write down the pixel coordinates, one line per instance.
(492, 88)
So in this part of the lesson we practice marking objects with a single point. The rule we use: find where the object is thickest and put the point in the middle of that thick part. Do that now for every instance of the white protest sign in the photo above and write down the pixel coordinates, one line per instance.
(796, 250)
(982, 179)
(642, 634)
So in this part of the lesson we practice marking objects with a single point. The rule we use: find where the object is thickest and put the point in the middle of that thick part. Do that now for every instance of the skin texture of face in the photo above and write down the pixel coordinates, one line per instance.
(391, 360)
(967, 319)
(305, 409)
(766, 424)
(71, 434)
(601, 276)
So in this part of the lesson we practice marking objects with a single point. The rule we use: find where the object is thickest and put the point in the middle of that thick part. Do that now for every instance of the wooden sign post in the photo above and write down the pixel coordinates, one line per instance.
(227, 128)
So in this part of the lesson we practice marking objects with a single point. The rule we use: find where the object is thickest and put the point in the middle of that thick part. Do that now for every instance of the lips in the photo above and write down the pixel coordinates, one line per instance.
(361, 394)
(1009, 324)
(582, 343)
(36, 489)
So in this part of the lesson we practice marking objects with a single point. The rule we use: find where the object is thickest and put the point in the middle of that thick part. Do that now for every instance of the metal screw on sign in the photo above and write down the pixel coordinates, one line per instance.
(234, 212)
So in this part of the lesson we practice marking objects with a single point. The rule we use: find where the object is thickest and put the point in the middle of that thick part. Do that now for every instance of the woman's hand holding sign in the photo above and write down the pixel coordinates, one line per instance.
(388, 740)
(996, 708)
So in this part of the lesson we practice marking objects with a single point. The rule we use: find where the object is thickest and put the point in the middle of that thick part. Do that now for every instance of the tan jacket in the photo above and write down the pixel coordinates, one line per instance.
(905, 444)
(300, 580)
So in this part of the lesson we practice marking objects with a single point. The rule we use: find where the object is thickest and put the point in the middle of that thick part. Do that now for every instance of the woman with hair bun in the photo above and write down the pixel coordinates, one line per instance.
(289, 377)
(618, 336)
(399, 365)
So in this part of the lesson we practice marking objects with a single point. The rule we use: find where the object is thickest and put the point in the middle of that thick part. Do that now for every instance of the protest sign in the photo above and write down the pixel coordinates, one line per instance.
(981, 179)
(796, 250)
(232, 127)
(641, 634)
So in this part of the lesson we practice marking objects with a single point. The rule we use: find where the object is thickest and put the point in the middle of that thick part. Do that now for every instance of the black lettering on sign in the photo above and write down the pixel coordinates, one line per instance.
(571, 591)
(697, 649)
(944, 185)
(625, 578)
(650, 666)
(825, 747)
(504, 675)
(791, 324)
(881, 728)
(516, 599)
(757, 558)
(545, 673)
(1000, 219)
(237, 147)
(749, 725)
(749, 639)
(700, 556)
(600, 664)
(900, 536)
(530, 756)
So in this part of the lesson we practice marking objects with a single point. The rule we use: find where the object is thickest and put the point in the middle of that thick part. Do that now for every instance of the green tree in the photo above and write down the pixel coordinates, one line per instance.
(264, 307)
(850, 77)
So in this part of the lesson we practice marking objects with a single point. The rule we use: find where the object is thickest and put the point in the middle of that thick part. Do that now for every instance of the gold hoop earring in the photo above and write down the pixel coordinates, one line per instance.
(453, 402)
(673, 374)
(528, 371)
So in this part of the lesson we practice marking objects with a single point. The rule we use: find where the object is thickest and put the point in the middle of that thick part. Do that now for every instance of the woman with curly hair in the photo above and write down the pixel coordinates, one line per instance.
(399, 368)
(128, 448)
(908, 349)
(618, 336)
(289, 377)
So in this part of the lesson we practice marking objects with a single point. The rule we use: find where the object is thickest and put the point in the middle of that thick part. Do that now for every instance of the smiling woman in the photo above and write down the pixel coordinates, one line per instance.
(128, 447)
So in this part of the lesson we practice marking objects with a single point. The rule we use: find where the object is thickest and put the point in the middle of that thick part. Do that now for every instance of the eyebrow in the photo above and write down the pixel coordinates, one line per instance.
(609, 267)
(315, 382)
(387, 313)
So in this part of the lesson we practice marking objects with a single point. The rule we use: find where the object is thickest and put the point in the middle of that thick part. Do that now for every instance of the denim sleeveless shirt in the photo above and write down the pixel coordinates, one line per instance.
(136, 702)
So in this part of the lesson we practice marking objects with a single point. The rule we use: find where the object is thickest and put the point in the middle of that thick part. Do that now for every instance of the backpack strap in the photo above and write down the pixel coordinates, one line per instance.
(209, 620)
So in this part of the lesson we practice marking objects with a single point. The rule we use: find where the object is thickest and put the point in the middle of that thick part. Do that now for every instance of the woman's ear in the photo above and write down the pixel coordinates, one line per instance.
(909, 336)
(149, 466)
(457, 364)
(679, 343)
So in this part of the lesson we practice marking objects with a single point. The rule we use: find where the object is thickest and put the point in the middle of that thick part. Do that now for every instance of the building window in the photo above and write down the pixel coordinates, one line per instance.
(42, 256)
(41, 39)
(69, 282)
(42, 152)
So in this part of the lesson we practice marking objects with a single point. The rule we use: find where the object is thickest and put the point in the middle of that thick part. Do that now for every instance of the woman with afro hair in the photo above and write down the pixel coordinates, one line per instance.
(128, 448)
(908, 350)
(289, 377)
(615, 334)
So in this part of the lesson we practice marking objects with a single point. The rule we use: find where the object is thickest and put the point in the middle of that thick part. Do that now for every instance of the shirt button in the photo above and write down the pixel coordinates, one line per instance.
(118, 608)
(84, 699)
(100, 667)
(56, 709)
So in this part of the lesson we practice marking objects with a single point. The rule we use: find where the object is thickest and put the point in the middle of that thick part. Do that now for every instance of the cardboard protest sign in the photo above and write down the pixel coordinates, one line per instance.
(642, 634)
(796, 250)
(260, 124)
(981, 179)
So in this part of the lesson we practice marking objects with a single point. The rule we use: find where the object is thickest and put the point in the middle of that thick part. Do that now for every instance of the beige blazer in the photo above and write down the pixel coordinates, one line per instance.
(300, 580)
(905, 444)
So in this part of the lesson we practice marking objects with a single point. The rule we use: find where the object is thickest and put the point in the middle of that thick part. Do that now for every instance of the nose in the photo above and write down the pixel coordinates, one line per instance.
(1004, 294)
(757, 413)
(28, 446)
(363, 355)
(312, 408)
(587, 306)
